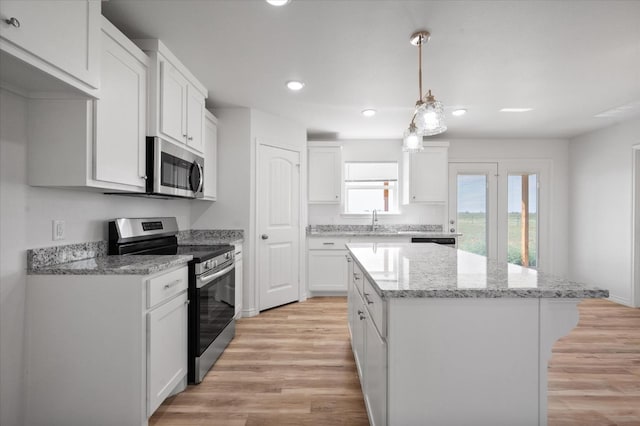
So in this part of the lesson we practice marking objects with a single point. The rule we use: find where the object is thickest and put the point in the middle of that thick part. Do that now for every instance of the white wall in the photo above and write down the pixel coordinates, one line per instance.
(556, 151)
(238, 131)
(26, 214)
(376, 150)
(553, 150)
(600, 205)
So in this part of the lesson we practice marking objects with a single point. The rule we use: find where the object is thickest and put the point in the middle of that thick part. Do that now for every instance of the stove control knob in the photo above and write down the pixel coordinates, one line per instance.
(227, 256)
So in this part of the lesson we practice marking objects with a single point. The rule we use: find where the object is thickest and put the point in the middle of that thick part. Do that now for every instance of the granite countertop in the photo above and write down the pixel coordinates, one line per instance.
(114, 265)
(403, 270)
(201, 237)
(381, 233)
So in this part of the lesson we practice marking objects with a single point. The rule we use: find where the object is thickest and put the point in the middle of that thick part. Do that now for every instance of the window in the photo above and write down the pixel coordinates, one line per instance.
(371, 186)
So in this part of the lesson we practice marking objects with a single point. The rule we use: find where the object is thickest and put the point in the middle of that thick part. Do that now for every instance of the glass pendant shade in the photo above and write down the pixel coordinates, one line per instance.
(412, 140)
(430, 117)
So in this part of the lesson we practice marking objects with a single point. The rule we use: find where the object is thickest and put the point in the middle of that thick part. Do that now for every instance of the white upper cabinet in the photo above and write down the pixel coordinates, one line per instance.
(121, 111)
(195, 119)
(176, 98)
(61, 38)
(85, 143)
(425, 174)
(173, 102)
(325, 174)
(210, 157)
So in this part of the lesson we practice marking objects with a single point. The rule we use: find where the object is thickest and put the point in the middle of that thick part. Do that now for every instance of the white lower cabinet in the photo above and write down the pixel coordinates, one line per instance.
(167, 340)
(104, 349)
(238, 280)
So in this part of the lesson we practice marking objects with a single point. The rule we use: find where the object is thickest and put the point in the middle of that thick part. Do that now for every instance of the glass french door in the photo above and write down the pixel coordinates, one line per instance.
(496, 208)
(473, 206)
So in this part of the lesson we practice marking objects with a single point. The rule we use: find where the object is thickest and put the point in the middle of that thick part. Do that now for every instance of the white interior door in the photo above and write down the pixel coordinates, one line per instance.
(473, 206)
(278, 226)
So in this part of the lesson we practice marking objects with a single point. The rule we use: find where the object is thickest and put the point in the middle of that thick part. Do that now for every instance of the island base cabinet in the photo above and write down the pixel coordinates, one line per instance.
(375, 374)
(472, 361)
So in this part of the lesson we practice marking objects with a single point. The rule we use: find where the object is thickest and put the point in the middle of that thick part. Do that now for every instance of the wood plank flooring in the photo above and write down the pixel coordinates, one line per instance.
(594, 373)
(293, 366)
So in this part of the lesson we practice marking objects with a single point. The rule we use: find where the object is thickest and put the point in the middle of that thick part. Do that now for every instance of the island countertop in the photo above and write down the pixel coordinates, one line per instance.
(399, 270)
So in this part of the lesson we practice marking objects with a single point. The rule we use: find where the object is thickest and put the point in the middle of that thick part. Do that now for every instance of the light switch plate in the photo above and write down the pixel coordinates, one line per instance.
(57, 229)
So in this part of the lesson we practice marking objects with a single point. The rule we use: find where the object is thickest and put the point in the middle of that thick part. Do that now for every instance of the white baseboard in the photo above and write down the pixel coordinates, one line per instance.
(327, 293)
(247, 313)
(621, 301)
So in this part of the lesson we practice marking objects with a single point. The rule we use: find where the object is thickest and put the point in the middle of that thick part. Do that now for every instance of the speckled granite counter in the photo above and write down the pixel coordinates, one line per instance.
(197, 237)
(114, 265)
(433, 271)
(380, 231)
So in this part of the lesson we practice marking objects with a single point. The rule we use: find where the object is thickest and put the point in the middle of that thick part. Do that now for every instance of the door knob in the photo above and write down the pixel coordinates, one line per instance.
(452, 221)
(265, 237)
(452, 230)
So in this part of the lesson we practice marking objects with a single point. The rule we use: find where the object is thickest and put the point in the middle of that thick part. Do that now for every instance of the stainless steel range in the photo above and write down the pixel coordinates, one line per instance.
(211, 284)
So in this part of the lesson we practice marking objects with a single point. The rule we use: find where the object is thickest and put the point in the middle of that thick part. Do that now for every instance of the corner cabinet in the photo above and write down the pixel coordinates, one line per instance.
(60, 38)
(100, 144)
(210, 157)
(176, 98)
(325, 173)
(425, 174)
(117, 343)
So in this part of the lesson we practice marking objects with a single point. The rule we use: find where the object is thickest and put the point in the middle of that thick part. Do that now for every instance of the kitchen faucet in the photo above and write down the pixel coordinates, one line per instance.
(374, 219)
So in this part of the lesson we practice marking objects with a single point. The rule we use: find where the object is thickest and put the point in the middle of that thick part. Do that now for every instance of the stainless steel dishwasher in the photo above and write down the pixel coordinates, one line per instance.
(445, 241)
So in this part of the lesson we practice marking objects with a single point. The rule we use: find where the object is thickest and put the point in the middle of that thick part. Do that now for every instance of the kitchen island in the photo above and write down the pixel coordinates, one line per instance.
(442, 336)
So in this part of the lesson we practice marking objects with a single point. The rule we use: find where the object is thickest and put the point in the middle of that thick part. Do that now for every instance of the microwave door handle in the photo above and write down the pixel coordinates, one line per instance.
(201, 177)
(203, 280)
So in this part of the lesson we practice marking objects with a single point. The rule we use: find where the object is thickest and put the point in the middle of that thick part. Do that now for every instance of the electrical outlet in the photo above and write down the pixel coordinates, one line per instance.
(57, 229)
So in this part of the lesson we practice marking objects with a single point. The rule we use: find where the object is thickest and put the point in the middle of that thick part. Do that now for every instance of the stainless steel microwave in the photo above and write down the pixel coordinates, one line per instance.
(173, 170)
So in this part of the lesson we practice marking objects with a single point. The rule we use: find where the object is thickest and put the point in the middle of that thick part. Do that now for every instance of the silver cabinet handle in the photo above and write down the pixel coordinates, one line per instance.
(337, 196)
(362, 317)
(172, 283)
(366, 297)
(360, 312)
(186, 302)
(190, 138)
(328, 244)
(356, 277)
(264, 237)
(143, 177)
(348, 258)
(13, 22)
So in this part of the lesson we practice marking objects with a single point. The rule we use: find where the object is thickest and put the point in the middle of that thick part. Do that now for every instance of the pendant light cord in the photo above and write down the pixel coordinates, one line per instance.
(420, 68)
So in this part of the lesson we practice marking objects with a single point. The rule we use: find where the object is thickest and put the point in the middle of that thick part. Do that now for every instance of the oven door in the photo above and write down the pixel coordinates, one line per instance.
(173, 170)
(214, 310)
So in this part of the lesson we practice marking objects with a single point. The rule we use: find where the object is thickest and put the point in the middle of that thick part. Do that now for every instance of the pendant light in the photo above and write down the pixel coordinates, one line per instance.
(428, 117)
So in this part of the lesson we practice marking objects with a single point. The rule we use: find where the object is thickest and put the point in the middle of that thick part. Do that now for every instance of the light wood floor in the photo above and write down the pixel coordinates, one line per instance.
(293, 366)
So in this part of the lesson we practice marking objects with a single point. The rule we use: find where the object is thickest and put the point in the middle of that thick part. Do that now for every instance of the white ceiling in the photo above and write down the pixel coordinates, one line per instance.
(568, 60)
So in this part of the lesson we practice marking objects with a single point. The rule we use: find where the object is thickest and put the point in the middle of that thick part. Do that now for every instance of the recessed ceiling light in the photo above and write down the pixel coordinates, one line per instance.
(459, 112)
(278, 2)
(516, 109)
(369, 112)
(295, 85)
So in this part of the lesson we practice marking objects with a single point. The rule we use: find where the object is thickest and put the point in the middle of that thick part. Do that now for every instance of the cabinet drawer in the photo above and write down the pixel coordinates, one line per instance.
(163, 287)
(327, 243)
(375, 307)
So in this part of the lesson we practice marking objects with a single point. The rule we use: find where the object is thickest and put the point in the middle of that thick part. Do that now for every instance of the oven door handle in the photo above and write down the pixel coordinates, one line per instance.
(203, 280)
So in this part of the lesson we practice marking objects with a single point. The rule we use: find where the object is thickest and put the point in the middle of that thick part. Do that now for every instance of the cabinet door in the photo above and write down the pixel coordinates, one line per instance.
(195, 119)
(173, 102)
(325, 175)
(166, 349)
(358, 332)
(210, 160)
(327, 270)
(429, 175)
(64, 33)
(350, 294)
(238, 279)
(375, 375)
(119, 151)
